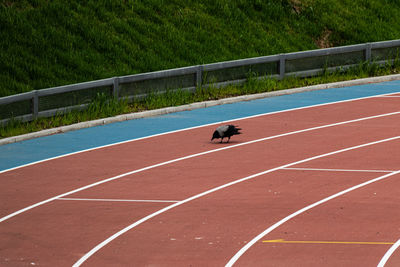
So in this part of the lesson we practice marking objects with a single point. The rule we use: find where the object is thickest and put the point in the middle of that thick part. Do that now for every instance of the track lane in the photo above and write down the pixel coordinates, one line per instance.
(227, 165)
(210, 228)
(337, 135)
(59, 220)
(60, 231)
(366, 214)
(277, 147)
(23, 187)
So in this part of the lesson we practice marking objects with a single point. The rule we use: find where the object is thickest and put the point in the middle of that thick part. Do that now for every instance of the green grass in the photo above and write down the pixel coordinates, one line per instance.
(50, 43)
(102, 107)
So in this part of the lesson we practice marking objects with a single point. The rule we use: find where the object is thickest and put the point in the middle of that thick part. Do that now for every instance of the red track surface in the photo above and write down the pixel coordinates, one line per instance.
(211, 229)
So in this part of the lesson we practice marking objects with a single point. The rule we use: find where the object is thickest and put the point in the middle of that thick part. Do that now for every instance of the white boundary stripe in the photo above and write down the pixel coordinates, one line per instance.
(188, 157)
(333, 170)
(389, 253)
(190, 128)
(291, 216)
(126, 229)
(116, 200)
(390, 96)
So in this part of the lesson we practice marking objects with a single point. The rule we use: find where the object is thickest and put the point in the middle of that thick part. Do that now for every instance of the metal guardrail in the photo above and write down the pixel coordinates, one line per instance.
(58, 100)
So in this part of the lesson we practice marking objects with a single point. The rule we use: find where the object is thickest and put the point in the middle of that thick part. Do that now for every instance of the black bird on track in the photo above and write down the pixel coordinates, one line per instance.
(225, 131)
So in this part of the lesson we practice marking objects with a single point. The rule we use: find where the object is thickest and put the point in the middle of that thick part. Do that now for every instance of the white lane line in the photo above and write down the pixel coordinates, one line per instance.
(389, 253)
(189, 157)
(191, 128)
(117, 200)
(334, 170)
(389, 96)
(291, 216)
(129, 227)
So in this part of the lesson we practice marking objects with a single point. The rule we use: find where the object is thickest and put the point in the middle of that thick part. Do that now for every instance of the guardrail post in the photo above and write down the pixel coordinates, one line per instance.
(282, 60)
(367, 52)
(199, 76)
(35, 104)
(116, 87)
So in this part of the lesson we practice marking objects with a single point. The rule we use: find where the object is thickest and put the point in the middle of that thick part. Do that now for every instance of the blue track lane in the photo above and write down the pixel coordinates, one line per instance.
(21, 153)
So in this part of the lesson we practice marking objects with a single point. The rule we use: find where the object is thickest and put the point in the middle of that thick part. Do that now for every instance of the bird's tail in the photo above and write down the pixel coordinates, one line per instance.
(237, 129)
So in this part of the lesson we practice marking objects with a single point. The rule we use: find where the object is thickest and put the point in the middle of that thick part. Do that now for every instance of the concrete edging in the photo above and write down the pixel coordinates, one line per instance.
(157, 112)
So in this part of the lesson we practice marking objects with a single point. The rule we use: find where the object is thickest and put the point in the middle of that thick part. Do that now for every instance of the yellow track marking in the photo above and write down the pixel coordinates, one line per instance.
(326, 242)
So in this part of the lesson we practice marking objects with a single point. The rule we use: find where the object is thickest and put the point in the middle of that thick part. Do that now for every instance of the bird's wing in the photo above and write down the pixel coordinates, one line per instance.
(222, 129)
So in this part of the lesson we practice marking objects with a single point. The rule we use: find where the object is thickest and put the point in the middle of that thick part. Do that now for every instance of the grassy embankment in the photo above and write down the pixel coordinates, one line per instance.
(50, 43)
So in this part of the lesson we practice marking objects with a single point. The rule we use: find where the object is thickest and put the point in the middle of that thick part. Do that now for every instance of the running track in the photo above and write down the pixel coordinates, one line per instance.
(312, 186)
